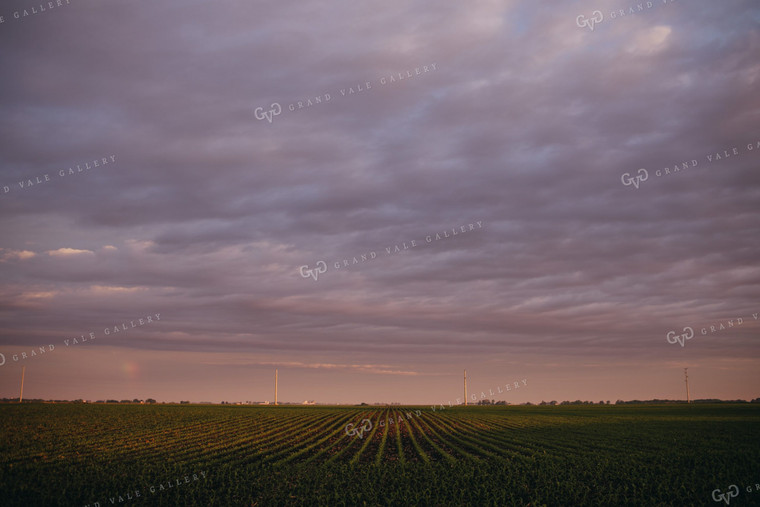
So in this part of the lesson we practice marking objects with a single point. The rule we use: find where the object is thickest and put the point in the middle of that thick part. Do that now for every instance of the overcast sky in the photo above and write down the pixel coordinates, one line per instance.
(224, 207)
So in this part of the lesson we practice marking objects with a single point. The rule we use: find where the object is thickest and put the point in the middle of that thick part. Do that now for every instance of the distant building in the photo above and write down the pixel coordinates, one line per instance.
(311, 402)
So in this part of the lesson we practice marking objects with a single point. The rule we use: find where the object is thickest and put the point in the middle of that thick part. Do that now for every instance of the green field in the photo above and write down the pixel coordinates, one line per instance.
(67, 454)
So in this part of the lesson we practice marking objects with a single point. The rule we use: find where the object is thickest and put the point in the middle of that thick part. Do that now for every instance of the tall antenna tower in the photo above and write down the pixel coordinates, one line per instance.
(686, 379)
(275, 387)
(21, 396)
(465, 388)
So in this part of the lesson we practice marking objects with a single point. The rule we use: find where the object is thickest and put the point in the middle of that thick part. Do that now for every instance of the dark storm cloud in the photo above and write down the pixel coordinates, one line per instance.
(526, 124)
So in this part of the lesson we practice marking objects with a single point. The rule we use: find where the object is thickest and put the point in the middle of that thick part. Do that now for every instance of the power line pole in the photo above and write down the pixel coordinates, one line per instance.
(465, 388)
(686, 379)
(275, 387)
(21, 396)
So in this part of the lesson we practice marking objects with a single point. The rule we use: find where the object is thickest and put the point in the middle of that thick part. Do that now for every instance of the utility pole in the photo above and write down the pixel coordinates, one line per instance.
(21, 396)
(275, 387)
(465, 388)
(686, 379)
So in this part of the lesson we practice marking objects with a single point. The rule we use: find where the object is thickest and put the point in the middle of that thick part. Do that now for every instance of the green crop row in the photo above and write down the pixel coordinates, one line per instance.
(591, 455)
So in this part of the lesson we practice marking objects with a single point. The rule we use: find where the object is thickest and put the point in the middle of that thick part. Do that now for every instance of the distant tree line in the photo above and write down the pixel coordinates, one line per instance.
(149, 401)
(618, 402)
(706, 400)
(492, 402)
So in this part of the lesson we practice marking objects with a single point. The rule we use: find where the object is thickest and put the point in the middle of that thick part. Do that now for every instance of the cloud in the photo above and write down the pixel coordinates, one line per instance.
(651, 40)
(378, 369)
(102, 289)
(21, 255)
(66, 252)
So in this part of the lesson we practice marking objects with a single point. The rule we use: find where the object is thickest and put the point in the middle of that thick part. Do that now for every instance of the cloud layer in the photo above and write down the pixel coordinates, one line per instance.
(523, 121)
